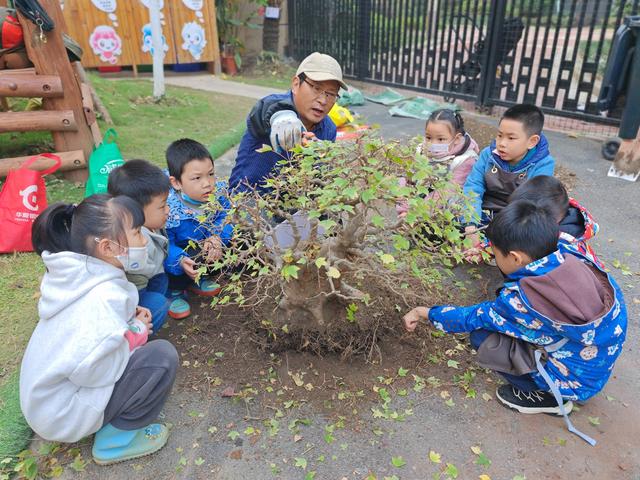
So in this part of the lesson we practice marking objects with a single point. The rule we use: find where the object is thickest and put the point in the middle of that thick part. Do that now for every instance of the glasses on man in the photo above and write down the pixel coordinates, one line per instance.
(332, 97)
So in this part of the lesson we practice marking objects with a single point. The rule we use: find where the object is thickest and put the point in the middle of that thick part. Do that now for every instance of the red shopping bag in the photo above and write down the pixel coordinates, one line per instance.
(22, 198)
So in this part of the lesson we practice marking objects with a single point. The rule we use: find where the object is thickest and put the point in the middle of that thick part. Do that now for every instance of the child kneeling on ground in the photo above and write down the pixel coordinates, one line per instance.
(149, 186)
(191, 173)
(576, 224)
(557, 326)
(87, 368)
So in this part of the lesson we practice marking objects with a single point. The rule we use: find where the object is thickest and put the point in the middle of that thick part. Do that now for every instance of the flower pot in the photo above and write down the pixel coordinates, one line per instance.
(229, 65)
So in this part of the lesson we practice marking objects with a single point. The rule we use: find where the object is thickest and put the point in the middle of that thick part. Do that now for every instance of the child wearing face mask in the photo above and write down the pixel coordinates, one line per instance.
(88, 367)
(191, 173)
(448, 144)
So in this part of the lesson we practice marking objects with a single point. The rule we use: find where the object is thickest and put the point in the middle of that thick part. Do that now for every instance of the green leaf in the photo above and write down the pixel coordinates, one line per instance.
(451, 470)
(594, 420)
(368, 195)
(398, 461)
(377, 221)
(265, 148)
(289, 271)
(301, 462)
(199, 461)
(434, 457)
(402, 372)
(321, 262)
(310, 475)
(453, 363)
(233, 434)
(401, 243)
(327, 224)
(482, 460)
(333, 272)
(387, 259)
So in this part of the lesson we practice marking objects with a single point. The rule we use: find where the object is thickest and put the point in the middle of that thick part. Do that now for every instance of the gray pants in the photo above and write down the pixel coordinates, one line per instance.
(145, 384)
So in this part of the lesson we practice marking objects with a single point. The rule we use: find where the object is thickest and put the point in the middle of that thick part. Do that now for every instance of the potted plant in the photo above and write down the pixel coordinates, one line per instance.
(229, 19)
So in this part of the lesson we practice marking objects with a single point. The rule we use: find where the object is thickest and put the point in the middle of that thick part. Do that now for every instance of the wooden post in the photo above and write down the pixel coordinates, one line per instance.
(51, 58)
(30, 85)
(70, 161)
(39, 121)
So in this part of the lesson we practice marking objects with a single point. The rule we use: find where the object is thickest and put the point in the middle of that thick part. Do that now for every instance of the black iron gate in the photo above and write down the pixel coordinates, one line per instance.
(495, 52)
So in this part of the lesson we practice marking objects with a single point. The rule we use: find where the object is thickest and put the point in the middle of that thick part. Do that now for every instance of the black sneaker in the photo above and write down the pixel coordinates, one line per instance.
(537, 401)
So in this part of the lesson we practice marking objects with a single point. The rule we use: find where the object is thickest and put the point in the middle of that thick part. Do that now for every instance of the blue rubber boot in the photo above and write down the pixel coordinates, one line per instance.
(179, 307)
(112, 445)
(206, 288)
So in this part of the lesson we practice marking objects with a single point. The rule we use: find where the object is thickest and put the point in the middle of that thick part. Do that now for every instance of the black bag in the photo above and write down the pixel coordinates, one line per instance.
(34, 12)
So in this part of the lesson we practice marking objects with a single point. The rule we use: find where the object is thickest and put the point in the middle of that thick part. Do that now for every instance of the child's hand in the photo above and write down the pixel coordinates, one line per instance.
(308, 137)
(213, 248)
(144, 315)
(474, 254)
(412, 318)
(189, 267)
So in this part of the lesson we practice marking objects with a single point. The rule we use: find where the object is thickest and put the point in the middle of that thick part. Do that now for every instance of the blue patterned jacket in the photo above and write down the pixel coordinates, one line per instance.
(184, 224)
(581, 367)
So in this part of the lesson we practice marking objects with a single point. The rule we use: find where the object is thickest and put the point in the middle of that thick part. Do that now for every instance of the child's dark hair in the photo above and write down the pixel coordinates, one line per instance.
(530, 116)
(181, 152)
(545, 191)
(523, 226)
(66, 227)
(449, 116)
(140, 180)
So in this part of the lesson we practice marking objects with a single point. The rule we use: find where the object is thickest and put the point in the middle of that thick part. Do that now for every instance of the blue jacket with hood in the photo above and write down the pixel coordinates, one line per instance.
(538, 161)
(565, 300)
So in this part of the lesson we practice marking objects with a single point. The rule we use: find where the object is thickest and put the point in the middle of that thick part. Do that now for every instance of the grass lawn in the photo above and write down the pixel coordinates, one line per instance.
(144, 131)
(275, 75)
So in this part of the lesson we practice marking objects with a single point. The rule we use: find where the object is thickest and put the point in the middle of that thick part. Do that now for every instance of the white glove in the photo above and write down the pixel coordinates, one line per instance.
(286, 130)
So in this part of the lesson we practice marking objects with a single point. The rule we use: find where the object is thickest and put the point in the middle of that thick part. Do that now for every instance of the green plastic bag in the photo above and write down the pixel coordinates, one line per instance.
(352, 97)
(104, 158)
(386, 97)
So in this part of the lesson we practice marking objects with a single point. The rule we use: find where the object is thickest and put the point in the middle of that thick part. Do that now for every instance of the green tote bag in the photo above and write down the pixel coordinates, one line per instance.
(104, 158)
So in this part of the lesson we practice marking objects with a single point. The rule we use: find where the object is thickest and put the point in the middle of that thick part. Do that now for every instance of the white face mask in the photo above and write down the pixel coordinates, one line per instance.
(438, 148)
(134, 260)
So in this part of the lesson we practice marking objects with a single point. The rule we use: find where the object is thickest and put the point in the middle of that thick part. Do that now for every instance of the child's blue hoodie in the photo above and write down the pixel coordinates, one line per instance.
(538, 161)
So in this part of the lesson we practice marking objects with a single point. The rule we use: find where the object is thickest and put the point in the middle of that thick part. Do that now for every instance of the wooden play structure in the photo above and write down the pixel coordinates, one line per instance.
(67, 99)
(115, 33)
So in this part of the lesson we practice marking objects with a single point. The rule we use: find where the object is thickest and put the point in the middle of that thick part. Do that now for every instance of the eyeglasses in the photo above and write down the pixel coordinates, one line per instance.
(332, 97)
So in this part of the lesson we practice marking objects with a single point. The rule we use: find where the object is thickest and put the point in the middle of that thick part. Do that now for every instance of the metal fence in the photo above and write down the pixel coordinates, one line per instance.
(494, 52)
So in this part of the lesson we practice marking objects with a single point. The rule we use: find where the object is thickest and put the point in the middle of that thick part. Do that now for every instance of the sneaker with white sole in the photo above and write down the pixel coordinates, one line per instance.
(537, 401)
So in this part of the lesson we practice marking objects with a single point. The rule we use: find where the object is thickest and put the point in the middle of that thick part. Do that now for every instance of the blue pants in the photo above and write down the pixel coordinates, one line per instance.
(523, 382)
(154, 297)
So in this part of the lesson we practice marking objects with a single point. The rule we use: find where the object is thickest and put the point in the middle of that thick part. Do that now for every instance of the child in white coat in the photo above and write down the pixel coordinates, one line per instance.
(87, 368)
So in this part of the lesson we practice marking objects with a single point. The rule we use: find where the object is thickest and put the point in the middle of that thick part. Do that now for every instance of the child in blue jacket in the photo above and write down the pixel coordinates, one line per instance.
(557, 326)
(191, 174)
(519, 152)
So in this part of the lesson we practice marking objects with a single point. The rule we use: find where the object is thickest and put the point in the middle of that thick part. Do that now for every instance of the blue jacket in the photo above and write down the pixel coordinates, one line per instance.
(184, 225)
(536, 305)
(538, 161)
(254, 167)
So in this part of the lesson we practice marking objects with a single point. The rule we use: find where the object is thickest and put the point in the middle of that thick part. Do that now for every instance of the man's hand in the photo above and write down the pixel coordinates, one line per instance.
(412, 318)
(144, 315)
(286, 130)
(189, 267)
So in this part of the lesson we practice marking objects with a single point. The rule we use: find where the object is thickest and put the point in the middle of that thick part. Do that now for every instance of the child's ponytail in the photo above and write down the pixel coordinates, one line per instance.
(51, 230)
(64, 227)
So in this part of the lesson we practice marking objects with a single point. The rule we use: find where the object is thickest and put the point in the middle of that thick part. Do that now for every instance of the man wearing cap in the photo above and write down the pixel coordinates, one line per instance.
(284, 119)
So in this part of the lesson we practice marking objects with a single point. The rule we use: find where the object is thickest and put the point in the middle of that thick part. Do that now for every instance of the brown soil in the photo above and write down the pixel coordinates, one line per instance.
(223, 353)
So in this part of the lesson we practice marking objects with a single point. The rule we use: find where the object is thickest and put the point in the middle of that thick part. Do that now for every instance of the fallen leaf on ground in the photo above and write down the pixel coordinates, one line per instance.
(228, 392)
